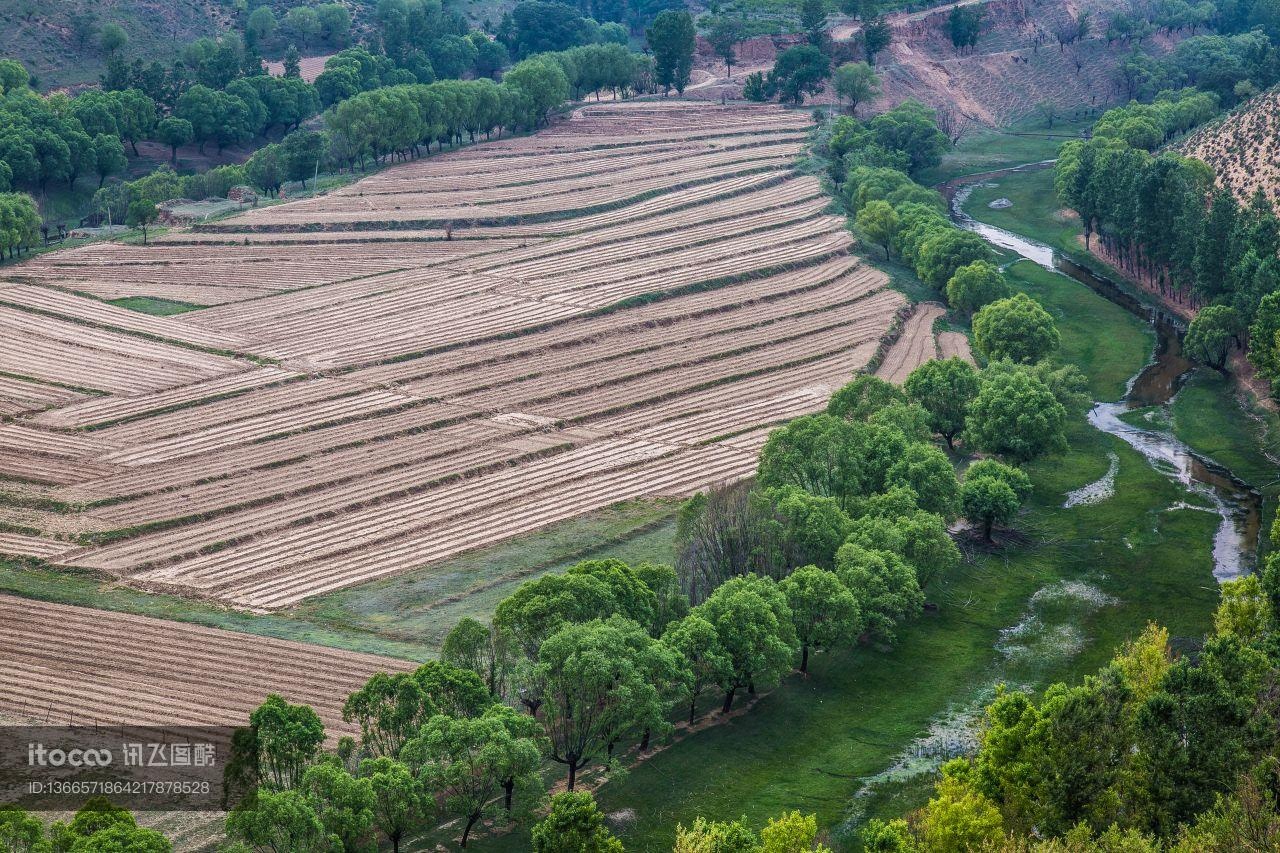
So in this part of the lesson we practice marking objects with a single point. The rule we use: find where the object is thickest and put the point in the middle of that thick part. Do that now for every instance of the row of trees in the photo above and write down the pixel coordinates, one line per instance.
(1161, 218)
(19, 223)
(98, 827)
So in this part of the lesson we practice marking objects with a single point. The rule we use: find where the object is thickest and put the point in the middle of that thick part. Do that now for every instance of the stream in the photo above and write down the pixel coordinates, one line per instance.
(1238, 507)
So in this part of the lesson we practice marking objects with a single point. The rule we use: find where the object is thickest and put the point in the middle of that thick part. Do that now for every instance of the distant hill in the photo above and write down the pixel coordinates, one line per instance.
(57, 39)
(1243, 147)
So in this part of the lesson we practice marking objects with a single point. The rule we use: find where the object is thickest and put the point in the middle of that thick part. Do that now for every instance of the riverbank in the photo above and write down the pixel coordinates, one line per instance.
(1229, 421)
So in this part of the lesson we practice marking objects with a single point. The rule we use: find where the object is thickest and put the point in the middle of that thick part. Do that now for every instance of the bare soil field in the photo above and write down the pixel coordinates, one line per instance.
(437, 358)
(68, 665)
(914, 346)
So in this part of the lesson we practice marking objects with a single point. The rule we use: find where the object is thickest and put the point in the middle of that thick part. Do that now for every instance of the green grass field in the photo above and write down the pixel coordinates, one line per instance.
(154, 305)
(1036, 211)
(988, 149)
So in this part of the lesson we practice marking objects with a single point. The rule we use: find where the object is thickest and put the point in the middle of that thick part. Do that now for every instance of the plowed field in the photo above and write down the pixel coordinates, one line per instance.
(439, 357)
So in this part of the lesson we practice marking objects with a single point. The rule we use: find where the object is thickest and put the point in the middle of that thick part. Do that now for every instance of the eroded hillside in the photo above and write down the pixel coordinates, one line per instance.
(1244, 147)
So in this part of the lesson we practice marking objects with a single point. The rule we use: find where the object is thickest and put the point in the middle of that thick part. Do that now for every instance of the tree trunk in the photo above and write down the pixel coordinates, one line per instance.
(986, 531)
(728, 700)
(693, 708)
(644, 741)
(804, 658)
(466, 832)
(133, 143)
(573, 773)
(508, 788)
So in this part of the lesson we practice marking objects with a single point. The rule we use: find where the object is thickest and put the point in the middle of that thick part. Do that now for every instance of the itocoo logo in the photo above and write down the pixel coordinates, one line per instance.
(38, 755)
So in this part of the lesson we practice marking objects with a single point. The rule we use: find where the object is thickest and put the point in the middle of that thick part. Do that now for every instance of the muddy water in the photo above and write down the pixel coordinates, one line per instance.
(1238, 507)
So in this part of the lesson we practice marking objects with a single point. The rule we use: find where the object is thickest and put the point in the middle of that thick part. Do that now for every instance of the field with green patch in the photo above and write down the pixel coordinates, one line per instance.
(404, 617)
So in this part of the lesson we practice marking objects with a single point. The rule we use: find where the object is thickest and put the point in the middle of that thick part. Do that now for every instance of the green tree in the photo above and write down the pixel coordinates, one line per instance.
(539, 608)
(799, 71)
(1212, 334)
(975, 285)
(945, 388)
(884, 586)
(856, 83)
(862, 398)
(574, 824)
(1016, 415)
(483, 649)
(174, 132)
(752, 620)
(288, 740)
(20, 832)
(893, 836)
(927, 471)
(260, 26)
(877, 35)
(292, 62)
(301, 154)
(959, 819)
(343, 803)
(813, 20)
(988, 501)
(595, 683)
(964, 25)
(823, 610)
(672, 39)
(112, 38)
(911, 127)
(697, 644)
(791, 832)
(944, 253)
(542, 82)
(1007, 474)
(716, 837)
(519, 767)
(399, 804)
(1264, 339)
(276, 822)
(724, 37)
(1244, 611)
(108, 157)
(879, 222)
(265, 169)
(465, 763)
(807, 529)
(13, 76)
(1017, 329)
(141, 214)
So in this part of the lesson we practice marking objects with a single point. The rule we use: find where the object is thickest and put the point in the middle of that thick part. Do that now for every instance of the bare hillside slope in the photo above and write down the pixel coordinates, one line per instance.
(1244, 147)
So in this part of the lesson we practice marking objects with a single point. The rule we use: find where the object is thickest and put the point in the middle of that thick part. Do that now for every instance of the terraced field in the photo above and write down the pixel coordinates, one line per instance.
(442, 356)
(67, 665)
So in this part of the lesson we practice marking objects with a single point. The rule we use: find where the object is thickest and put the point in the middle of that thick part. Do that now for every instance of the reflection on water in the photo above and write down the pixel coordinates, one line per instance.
(1238, 507)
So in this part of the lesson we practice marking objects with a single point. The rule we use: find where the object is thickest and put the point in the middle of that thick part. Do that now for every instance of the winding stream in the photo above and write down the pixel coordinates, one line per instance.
(1238, 507)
